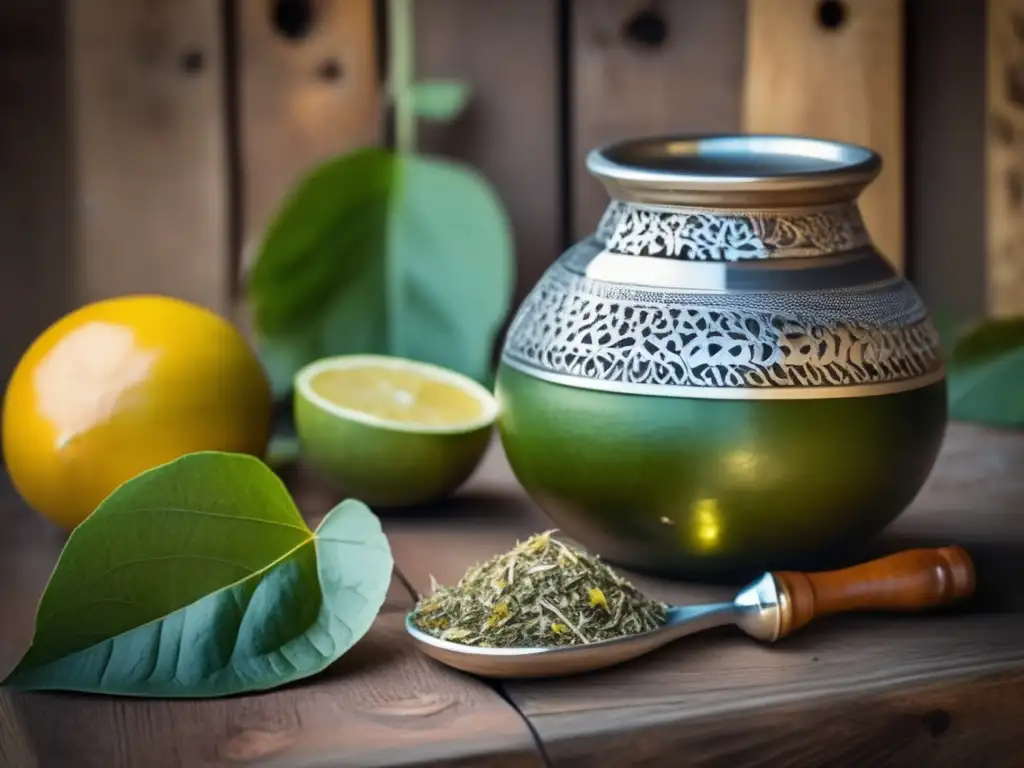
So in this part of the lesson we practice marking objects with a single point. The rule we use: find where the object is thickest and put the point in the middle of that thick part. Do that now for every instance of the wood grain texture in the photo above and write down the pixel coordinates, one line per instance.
(301, 100)
(150, 149)
(843, 84)
(382, 704)
(934, 689)
(623, 87)
(506, 53)
(945, 98)
(35, 189)
(940, 724)
(1005, 157)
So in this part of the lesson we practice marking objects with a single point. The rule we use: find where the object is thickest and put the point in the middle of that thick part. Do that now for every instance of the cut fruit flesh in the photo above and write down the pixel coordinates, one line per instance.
(392, 391)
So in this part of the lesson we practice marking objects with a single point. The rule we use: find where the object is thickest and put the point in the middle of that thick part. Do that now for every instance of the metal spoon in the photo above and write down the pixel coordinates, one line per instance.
(770, 608)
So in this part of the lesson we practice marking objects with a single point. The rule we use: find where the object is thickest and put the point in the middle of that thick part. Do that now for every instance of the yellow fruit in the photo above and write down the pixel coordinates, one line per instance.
(120, 386)
(391, 431)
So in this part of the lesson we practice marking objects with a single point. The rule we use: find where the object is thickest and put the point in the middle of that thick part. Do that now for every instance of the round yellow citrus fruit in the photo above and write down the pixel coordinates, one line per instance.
(123, 385)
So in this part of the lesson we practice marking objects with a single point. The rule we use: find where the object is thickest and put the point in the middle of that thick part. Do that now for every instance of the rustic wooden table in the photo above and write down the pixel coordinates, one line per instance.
(943, 690)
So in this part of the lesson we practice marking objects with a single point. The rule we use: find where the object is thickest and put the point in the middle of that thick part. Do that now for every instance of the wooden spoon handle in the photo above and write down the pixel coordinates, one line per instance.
(907, 581)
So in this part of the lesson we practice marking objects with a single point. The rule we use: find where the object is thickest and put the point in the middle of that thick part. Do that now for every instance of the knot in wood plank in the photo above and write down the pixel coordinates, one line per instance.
(256, 743)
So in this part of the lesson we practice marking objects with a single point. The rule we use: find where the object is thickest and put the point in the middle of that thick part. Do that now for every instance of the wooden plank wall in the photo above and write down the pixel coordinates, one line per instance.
(160, 135)
(839, 76)
(307, 90)
(35, 186)
(639, 68)
(151, 203)
(507, 53)
(1005, 157)
(946, 154)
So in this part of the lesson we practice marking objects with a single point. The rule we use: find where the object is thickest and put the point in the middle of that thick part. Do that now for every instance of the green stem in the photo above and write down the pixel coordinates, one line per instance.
(401, 67)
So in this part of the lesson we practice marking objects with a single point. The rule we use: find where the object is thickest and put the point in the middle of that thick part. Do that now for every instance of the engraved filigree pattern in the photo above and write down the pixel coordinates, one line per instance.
(572, 326)
(700, 235)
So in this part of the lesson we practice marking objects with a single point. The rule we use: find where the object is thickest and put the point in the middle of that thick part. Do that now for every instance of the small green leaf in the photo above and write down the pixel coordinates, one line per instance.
(378, 253)
(439, 100)
(984, 374)
(200, 578)
(948, 327)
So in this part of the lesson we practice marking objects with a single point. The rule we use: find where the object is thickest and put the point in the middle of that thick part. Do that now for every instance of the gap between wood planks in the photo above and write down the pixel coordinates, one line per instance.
(494, 685)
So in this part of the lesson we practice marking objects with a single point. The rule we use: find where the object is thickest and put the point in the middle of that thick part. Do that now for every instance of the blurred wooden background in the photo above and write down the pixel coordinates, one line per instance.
(144, 143)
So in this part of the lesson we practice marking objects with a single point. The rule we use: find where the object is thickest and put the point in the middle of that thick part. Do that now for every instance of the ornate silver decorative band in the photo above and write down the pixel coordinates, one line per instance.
(619, 338)
(706, 235)
(732, 393)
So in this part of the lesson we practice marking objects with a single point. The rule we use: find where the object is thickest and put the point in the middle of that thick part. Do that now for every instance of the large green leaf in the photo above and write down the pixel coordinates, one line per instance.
(200, 578)
(986, 371)
(374, 252)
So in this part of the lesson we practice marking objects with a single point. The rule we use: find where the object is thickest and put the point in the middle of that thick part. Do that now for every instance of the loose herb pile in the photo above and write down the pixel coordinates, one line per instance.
(541, 594)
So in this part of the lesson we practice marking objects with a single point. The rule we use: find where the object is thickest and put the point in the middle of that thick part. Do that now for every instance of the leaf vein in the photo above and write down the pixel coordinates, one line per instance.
(106, 663)
(242, 518)
(203, 558)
